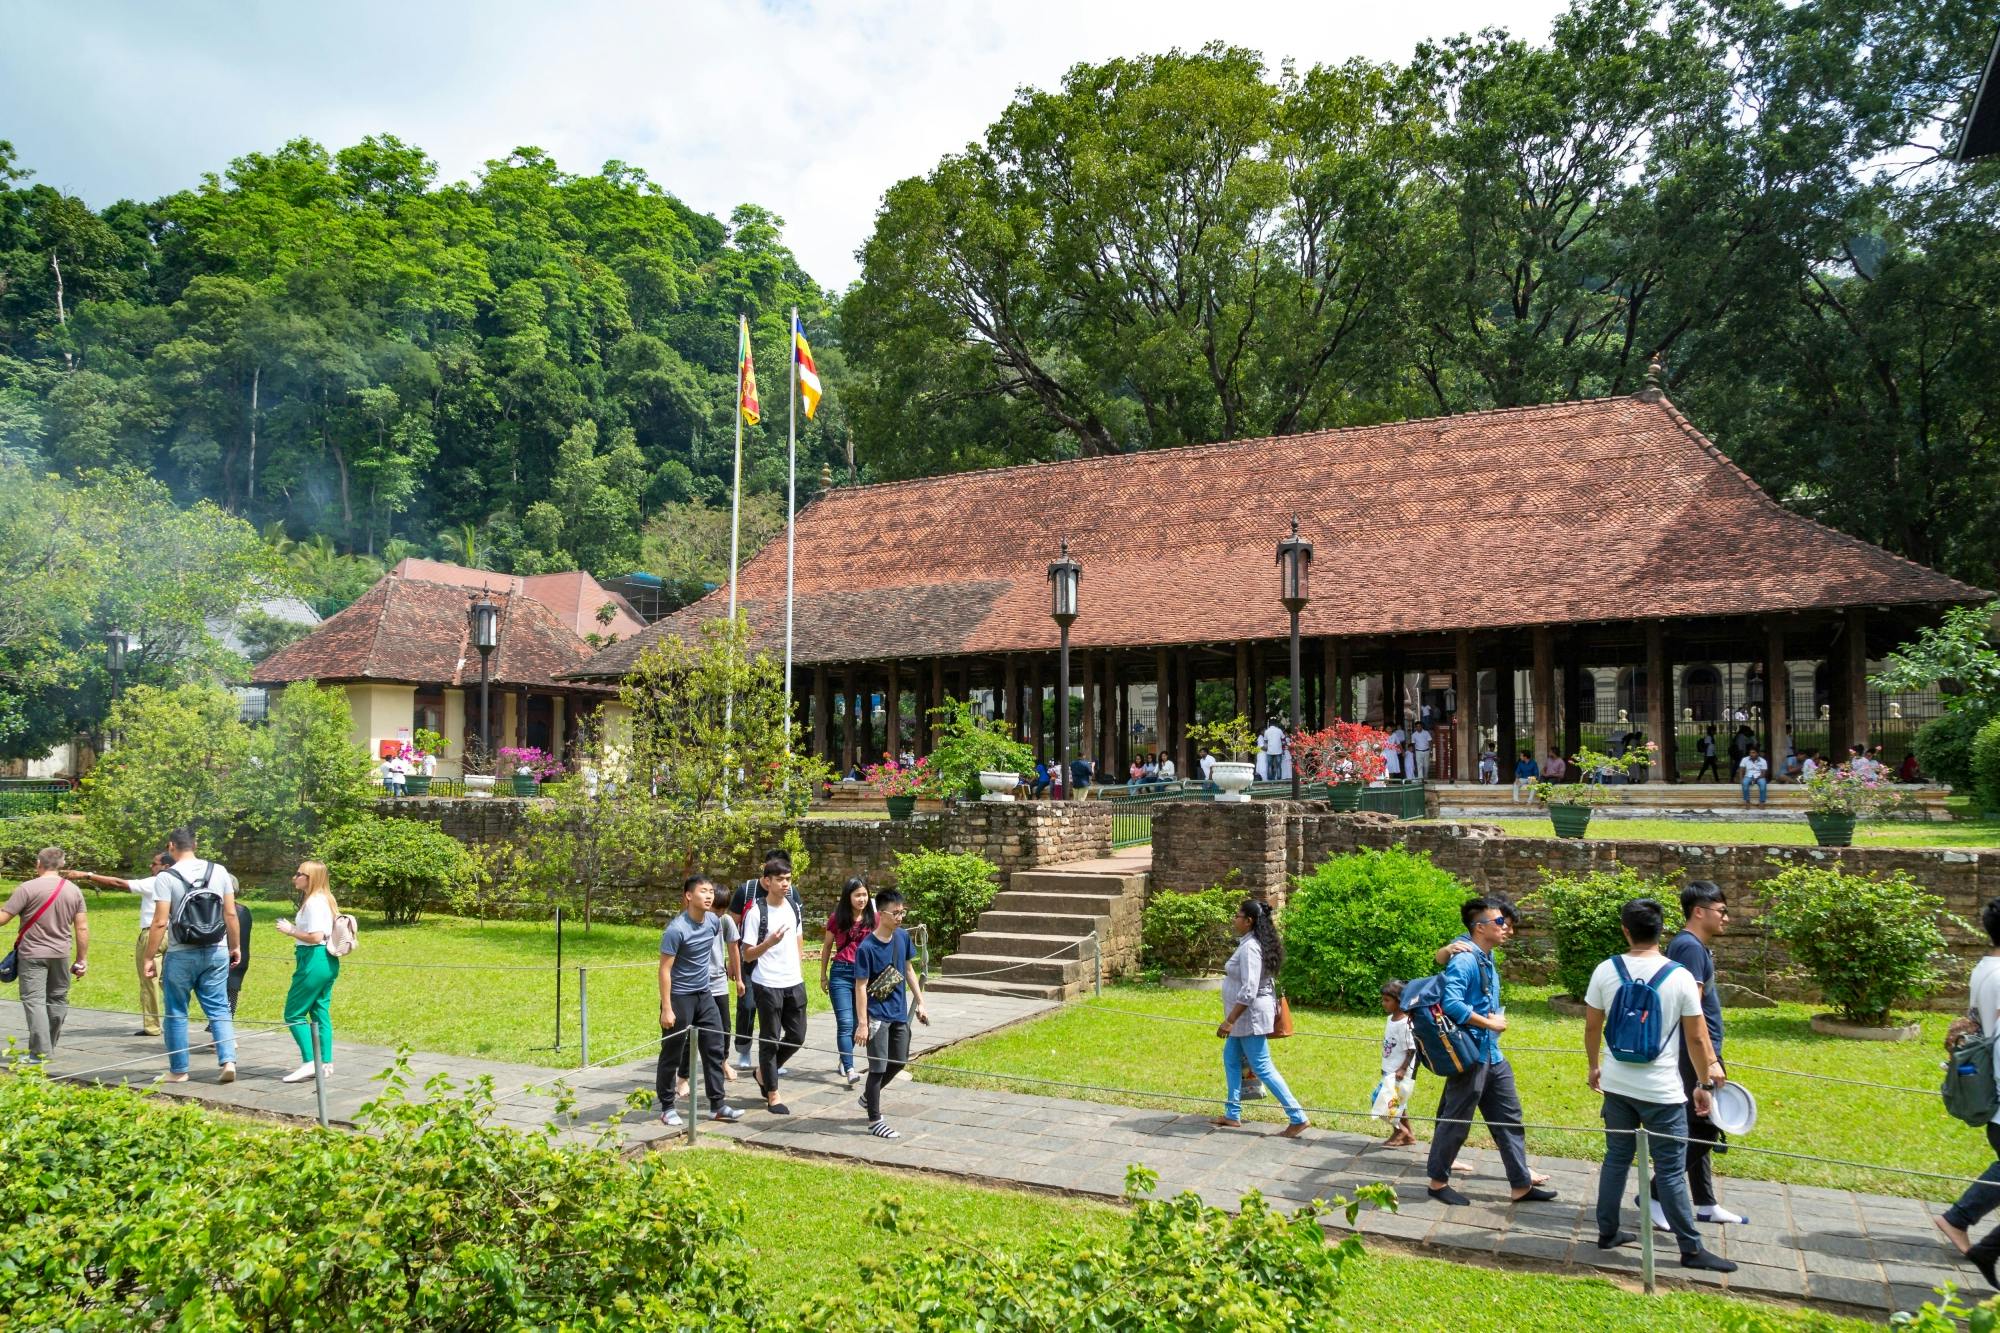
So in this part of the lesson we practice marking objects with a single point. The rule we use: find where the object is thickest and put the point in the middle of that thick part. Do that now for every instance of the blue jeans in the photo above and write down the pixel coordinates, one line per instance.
(205, 972)
(1256, 1052)
(841, 980)
(1763, 787)
(1669, 1156)
(1981, 1198)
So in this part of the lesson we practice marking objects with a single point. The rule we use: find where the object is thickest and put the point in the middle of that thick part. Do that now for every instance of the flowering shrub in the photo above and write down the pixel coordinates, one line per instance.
(890, 778)
(1843, 791)
(1343, 752)
(1592, 768)
(530, 761)
(1231, 740)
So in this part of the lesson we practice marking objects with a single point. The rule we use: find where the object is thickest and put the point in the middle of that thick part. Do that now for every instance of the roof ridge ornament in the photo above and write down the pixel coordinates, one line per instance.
(1655, 373)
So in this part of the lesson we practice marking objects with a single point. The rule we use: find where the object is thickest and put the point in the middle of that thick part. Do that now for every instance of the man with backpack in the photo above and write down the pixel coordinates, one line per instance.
(776, 878)
(1644, 1007)
(193, 943)
(773, 948)
(1469, 1000)
(1970, 1095)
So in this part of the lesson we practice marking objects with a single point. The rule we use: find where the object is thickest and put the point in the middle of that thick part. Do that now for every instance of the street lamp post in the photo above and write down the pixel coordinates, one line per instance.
(1295, 555)
(116, 641)
(1065, 574)
(485, 637)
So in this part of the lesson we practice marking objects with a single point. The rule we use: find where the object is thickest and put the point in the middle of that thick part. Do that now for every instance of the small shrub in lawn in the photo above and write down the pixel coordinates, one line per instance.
(1944, 745)
(398, 865)
(1188, 933)
(1868, 941)
(1986, 767)
(24, 835)
(1583, 916)
(1362, 918)
(946, 891)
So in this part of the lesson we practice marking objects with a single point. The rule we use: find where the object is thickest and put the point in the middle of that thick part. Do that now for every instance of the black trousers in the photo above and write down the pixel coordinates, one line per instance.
(783, 1012)
(1488, 1089)
(696, 1018)
(1704, 1140)
(1709, 765)
(888, 1052)
(746, 1014)
(721, 1012)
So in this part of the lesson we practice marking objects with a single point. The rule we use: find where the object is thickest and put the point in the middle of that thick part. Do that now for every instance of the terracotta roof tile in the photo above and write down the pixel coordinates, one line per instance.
(1419, 527)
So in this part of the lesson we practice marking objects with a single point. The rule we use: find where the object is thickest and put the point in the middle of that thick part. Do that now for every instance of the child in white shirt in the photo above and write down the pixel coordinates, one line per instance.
(1391, 1100)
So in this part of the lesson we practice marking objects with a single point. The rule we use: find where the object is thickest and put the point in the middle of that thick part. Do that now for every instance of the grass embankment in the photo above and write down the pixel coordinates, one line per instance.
(1122, 1043)
(440, 984)
(1763, 832)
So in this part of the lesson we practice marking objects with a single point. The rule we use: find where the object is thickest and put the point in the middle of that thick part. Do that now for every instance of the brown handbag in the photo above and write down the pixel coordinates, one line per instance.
(1281, 1025)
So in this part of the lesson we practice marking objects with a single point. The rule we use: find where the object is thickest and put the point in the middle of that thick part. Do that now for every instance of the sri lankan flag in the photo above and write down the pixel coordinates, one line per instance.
(746, 373)
(802, 353)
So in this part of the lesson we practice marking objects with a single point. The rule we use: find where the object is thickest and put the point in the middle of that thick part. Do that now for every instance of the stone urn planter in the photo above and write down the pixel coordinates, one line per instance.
(1233, 779)
(527, 784)
(418, 784)
(901, 807)
(1830, 1025)
(1831, 830)
(1571, 821)
(998, 786)
(478, 784)
(1344, 795)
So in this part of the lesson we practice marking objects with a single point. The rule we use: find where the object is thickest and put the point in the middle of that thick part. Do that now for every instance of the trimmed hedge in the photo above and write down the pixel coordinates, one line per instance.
(22, 836)
(1361, 919)
(1188, 933)
(1986, 767)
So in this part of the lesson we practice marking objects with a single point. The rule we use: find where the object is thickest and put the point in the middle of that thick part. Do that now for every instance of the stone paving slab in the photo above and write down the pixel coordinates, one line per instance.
(1870, 1252)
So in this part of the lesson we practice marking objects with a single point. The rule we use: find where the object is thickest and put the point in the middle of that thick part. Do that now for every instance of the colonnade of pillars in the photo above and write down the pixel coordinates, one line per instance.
(1020, 688)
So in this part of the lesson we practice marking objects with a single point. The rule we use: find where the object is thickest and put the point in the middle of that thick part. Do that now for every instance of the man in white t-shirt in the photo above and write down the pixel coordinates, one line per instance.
(1207, 765)
(149, 987)
(1420, 753)
(1647, 1092)
(1270, 752)
(1754, 770)
(772, 941)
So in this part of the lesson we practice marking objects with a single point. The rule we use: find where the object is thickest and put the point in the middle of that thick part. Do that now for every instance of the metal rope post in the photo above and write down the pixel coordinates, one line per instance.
(1096, 965)
(583, 1017)
(558, 1045)
(692, 1060)
(1645, 1216)
(319, 1070)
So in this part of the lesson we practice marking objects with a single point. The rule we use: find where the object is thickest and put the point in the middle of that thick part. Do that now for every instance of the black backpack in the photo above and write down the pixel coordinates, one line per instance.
(197, 918)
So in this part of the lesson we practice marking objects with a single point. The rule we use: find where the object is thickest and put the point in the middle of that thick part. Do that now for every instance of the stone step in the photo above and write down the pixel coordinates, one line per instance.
(1062, 904)
(1015, 945)
(1057, 880)
(1044, 924)
(1004, 967)
(943, 985)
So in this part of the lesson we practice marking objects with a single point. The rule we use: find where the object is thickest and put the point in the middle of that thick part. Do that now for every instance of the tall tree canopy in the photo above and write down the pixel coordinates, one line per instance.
(337, 344)
(1179, 248)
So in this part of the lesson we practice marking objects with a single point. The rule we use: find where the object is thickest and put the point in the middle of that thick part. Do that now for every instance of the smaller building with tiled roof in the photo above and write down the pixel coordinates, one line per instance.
(403, 651)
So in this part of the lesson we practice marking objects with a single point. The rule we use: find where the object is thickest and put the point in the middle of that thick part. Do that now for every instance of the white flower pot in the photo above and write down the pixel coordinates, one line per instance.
(478, 784)
(999, 786)
(1234, 778)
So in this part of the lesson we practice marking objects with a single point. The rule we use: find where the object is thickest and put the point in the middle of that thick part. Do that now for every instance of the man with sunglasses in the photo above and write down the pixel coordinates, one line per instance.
(1707, 916)
(1472, 1000)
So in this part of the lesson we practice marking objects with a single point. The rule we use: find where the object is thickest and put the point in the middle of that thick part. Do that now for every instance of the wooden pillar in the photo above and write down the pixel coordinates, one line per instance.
(1572, 696)
(847, 722)
(1542, 691)
(1035, 709)
(1659, 701)
(1777, 692)
(1260, 690)
(1344, 669)
(892, 710)
(1183, 711)
(1465, 726)
(1122, 754)
(1329, 690)
(1243, 687)
(1107, 704)
(1010, 693)
(822, 708)
(1163, 695)
(1848, 666)
(936, 701)
(1503, 717)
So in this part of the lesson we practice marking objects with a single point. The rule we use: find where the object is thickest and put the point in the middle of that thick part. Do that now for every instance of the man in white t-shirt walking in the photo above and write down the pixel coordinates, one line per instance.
(1270, 752)
(149, 987)
(772, 941)
(1642, 1084)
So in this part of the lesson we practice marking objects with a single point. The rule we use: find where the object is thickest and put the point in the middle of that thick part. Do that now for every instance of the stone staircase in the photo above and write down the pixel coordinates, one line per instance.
(1035, 940)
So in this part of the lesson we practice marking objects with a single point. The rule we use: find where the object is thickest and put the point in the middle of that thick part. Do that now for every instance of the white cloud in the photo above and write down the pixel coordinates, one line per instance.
(810, 110)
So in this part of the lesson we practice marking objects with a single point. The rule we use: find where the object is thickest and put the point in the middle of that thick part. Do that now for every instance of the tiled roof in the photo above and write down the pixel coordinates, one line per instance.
(413, 630)
(1606, 509)
(573, 595)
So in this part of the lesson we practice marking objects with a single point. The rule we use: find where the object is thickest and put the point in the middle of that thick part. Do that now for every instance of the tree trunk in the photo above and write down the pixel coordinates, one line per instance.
(250, 480)
(62, 313)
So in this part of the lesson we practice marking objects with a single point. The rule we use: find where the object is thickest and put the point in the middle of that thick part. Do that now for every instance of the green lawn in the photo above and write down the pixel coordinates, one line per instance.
(812, 1213)
(435, 985)
(1105, 1044)
(1766, 832)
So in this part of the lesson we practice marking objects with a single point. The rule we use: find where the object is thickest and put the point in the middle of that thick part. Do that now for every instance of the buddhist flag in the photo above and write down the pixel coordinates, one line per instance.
(802, 353)
(746, 373)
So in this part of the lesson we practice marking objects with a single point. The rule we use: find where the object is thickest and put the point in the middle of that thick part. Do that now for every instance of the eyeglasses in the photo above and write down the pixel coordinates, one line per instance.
(1496, 922)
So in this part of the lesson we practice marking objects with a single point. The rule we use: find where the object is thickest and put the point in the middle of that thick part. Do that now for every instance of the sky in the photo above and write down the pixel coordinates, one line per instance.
(811, 110)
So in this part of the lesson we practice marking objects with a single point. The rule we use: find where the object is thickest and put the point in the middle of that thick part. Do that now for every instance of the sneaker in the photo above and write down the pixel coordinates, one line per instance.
(174, 1078)
(880, 1129)
(671, 1118)
(1720, 1216)
(743, 1059)
(303, 1074)
(727, 1114)
(228, 1074)
(852, 1078)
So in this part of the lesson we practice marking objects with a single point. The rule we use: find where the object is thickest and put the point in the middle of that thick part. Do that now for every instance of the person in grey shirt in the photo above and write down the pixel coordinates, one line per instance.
(687, 1007)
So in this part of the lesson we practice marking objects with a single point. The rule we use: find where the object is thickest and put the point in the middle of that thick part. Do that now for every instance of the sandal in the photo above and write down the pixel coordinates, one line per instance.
(1294, 1130)
(1224, 1122)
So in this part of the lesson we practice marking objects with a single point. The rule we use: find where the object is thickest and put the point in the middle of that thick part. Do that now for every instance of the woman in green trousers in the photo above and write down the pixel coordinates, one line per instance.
(314, 970)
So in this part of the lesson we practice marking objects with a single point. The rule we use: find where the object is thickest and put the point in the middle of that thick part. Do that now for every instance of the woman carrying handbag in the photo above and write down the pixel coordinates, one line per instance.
(1250, 1016)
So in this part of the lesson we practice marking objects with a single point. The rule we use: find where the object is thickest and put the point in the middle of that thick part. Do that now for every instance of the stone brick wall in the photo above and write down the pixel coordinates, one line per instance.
(1194, 844)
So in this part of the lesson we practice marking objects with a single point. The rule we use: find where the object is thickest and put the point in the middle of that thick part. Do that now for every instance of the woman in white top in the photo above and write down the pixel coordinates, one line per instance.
(1250, 1011)
(1983, 1005)
(314, 970)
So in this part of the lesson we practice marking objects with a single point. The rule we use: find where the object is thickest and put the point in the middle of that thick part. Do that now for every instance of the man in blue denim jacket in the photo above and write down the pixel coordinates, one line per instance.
(1472, 1000)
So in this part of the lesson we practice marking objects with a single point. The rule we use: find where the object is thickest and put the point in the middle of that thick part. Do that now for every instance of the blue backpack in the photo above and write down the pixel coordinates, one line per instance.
(1633, 1027)
(1443, 1047)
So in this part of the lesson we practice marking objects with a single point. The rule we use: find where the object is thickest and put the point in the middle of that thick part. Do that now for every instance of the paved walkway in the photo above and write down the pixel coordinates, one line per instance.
(1869, 1252)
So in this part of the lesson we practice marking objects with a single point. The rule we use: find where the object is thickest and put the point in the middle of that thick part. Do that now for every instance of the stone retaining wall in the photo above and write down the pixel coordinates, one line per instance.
(1195, 843)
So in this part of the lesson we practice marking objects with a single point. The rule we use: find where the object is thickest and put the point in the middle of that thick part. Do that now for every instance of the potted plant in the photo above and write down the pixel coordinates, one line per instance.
(477, 767)
(426, 747)
(530, 766)
(1346, 756)
(900, 784)
(1233, 738)
(974, 751)
(1836, 797)
(1570, 803)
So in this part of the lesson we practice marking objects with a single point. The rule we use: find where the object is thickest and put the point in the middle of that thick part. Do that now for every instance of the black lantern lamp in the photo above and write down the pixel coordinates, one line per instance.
(116, 642)
(1065, 576)
(1295, 556)
(485, 637)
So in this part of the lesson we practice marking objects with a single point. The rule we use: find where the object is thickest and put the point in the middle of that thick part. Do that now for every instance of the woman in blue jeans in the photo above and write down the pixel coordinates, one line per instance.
(852, 920)
(1250, 1011)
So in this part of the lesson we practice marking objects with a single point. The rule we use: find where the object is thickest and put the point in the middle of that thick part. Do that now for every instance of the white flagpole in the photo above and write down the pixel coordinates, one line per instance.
(735, 524)
(791, 509)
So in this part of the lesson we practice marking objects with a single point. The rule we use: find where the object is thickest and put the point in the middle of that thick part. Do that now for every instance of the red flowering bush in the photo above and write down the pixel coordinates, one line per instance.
(890, 778)
(1343, 752)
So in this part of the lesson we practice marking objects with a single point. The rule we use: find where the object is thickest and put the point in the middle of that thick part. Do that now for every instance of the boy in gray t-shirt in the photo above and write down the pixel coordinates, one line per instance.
(687, 1005)
(724, 966)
